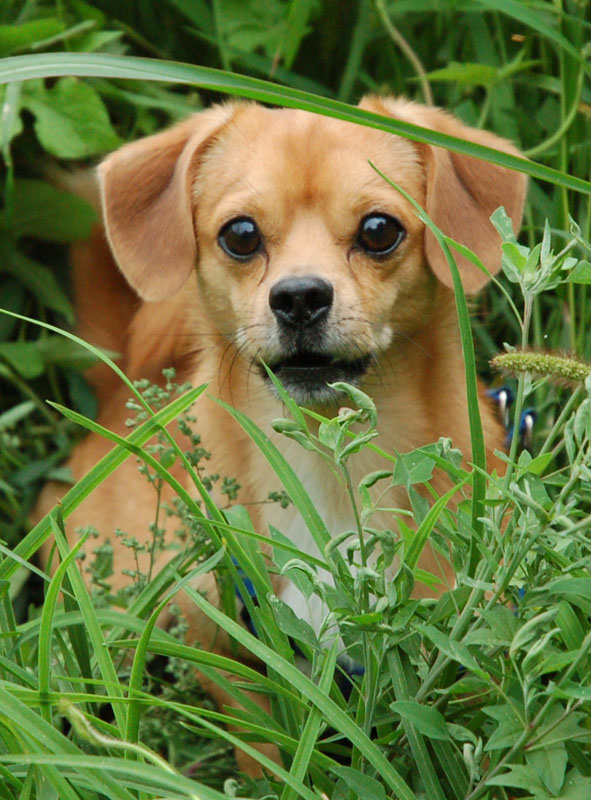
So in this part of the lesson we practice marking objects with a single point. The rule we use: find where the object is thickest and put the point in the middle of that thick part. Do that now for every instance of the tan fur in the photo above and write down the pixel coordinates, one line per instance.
(306, 180)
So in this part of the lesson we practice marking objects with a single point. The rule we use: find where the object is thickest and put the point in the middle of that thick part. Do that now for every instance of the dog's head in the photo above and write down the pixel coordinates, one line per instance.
(306, 258)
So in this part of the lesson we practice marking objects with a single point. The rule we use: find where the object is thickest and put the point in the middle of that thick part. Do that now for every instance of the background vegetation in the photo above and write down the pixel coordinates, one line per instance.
(406, 729)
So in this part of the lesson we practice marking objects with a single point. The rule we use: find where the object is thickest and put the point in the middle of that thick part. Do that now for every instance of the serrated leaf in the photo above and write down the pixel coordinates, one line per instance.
(70, 119)
(44, 212)
(426, 720)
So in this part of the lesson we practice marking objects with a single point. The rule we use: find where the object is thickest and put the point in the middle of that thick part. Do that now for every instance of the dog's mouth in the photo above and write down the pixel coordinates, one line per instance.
(306, 374)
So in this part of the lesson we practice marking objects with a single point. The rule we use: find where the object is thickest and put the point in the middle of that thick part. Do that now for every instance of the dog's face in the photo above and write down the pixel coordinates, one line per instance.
(306, 258)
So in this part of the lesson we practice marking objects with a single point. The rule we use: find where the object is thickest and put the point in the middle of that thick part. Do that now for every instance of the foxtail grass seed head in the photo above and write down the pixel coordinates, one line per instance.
(563, 369)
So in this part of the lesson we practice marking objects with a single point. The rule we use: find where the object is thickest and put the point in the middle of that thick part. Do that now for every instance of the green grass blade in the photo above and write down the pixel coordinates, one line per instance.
(301, 761)
(417, 744)
(45, 659)
(92, 625)
(120, 775)
(138, 666)
(40, 733)
(127, 67)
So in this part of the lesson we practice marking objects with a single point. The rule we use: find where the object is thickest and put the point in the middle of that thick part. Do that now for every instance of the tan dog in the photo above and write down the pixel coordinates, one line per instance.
(246, 234)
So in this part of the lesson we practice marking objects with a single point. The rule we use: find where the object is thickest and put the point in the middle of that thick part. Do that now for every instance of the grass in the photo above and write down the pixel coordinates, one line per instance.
(95, 701)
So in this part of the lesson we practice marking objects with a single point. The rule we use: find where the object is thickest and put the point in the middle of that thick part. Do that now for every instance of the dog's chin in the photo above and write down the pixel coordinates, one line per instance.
(307, 375)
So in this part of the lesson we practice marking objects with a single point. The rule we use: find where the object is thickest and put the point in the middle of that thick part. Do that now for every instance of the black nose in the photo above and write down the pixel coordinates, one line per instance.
(301, 301)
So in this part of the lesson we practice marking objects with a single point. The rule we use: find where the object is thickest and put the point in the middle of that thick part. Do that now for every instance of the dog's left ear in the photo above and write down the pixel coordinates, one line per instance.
(461, 192)
(146, 198)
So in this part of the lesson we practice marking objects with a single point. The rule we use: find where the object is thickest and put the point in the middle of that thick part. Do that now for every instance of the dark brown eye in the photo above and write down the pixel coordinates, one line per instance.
(380, 234)
(240, 238)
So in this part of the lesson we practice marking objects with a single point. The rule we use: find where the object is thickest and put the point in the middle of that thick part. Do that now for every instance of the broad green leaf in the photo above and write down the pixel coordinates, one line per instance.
(521, 777)
(510, 726)
(428, 721)
(43, 212)
(581, 273)
(550, 764)
(56, 350)
(411, 468)
(364, 786)
(290, 624)
(576, 786)
(19, 37)
(37, 278)
(70, 119)
(23, 357)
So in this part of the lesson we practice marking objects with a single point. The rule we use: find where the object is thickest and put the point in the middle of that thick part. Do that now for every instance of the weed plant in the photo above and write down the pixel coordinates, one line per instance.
(483, 693)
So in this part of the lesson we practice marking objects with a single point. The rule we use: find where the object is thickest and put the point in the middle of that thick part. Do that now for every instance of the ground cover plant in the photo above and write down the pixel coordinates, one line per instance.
(484, 693)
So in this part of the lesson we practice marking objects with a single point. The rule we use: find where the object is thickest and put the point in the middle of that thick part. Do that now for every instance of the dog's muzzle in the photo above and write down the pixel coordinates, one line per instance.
(301, 307)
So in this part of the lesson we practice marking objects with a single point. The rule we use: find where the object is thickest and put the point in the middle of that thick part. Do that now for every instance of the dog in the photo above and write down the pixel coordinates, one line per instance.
(245, 235)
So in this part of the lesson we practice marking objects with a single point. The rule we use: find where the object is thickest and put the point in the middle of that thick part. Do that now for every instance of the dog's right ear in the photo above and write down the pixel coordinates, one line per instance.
(146, 199)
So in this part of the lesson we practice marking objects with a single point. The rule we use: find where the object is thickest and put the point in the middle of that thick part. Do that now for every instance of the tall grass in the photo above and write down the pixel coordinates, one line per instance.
(483, 693)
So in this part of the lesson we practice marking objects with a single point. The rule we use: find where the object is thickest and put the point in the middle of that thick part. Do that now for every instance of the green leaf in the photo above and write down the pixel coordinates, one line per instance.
(576, 787)
(290, 624)
(502, 222)
(44, 212)
(467, 73)
(364, 786)
(521, 777)
(581, 273)
(426, 720)
(550, 765)
(411, 468)
(509, 729)
(19, 37)
(23, 357)
(71, 120)
(452, 649)
(539, 464)
(37, 278)
(56, 350)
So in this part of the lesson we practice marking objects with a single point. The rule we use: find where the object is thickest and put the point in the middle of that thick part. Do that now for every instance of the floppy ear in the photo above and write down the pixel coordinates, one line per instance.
(146, 198)
(461, 192)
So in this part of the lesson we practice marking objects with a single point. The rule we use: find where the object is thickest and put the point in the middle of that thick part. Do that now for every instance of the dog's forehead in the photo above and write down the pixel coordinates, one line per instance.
(308, 156)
